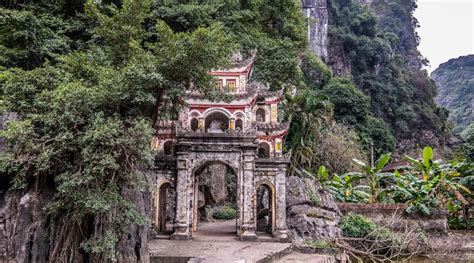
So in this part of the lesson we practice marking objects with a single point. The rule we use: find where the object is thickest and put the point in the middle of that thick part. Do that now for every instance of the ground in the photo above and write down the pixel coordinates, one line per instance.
(216, 242)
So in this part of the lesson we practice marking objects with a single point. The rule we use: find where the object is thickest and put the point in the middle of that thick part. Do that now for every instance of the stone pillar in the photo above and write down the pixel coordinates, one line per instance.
(181, 222)
(278, 147)
(232, 124)
(201, 124)
(281, 231)
(249, 222)
(274, 112)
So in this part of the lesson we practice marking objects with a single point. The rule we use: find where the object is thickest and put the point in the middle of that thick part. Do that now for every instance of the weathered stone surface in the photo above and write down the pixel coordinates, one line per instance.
(213, 181)
(311, 211)
(317, 10)
(133, 245)
(31, 233)
(25, 225)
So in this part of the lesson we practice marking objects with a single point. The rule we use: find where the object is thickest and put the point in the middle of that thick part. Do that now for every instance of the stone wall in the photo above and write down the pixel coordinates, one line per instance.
(382, 213)
(312, 213)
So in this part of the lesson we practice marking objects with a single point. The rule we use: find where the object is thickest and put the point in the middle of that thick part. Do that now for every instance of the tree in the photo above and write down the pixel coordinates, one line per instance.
(85, 126)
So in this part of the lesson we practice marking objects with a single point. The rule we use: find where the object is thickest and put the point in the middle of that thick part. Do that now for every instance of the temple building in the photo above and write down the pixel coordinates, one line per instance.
(241, 139)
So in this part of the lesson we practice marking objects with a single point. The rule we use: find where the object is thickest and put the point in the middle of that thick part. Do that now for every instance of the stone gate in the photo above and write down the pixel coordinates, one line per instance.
(243, 134)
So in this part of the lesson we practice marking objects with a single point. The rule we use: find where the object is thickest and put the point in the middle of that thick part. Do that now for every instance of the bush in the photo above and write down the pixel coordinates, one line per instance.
(357, 226)
(225, 212)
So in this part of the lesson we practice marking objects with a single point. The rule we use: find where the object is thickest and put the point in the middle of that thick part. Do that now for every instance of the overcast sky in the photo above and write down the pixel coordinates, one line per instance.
(447, 29)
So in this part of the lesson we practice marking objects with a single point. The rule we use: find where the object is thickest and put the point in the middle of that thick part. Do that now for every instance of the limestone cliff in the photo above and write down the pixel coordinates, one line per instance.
(317, 12)
(374, 43)
(455, 80)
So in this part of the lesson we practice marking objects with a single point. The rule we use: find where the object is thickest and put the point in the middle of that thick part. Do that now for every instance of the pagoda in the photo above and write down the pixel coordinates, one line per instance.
(243, 133)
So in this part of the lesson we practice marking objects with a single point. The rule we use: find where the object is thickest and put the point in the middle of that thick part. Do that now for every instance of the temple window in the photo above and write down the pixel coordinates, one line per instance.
(239, 125)
(231, 85)
(168, 148)
(263, 150)
(194, 124)
(220, 83)
(260, 115)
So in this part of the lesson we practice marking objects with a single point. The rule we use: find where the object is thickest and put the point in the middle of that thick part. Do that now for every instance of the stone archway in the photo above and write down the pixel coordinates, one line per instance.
(215, 204)
(196, 150)
(161, 217)
(265, 207)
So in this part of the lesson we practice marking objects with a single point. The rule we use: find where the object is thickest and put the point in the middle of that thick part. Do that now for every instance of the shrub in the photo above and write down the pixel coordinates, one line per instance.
(357, 226)
(225, 212)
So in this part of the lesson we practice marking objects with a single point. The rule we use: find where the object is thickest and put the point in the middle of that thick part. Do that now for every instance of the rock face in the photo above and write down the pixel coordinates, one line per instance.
(455, 80)
(311, 211)
(30, 233)
(317, 11)
(26, 226)
(212, 183)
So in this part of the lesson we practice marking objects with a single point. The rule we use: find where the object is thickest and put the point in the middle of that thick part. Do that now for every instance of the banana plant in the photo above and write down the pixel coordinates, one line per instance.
(426, 166)
(344, 188)
(374, 174)
(426, 184)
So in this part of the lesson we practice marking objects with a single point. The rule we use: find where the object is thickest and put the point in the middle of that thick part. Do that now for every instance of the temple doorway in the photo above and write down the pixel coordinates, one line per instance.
(265, 210)
(164, 208)
(216, 209)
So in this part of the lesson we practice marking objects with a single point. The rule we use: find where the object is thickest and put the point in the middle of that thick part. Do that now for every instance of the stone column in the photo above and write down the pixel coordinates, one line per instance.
(181, 222)
(201, 124)
(232, 124)
(278, 147)
(281, 231)
(249, 221)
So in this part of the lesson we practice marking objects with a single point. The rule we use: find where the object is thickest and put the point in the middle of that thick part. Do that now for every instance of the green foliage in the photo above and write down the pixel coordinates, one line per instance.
(374, 130)
(315, 73)
(351, 106)
(374, 175)
(225, 212)
(357, 226)
(346, 188)
(380, 45)
(85, 121)
(427, 184)
(35, 34)
(276, 29)
(314, 199)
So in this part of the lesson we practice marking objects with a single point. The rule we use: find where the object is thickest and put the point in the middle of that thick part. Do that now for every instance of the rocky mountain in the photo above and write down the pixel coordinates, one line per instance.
(374, 43)
(455, 80)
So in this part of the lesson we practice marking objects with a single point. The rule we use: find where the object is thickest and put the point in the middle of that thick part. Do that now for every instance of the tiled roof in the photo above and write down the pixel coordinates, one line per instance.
(272, 126)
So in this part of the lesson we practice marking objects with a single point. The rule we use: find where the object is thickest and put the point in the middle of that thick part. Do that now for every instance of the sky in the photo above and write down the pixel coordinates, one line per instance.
(446, 29)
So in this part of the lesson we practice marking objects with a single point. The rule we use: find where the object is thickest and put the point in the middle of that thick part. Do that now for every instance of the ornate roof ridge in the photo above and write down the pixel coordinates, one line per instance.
(273, 126)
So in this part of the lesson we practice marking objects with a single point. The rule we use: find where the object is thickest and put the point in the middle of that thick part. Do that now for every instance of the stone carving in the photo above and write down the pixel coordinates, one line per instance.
(215, 127)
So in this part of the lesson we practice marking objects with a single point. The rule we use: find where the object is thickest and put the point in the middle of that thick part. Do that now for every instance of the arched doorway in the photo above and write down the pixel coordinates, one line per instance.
(194, 124)
(263, 150)
(215, 204)
(164, 213)
(265, 209)
(168, 148)
(260, 115)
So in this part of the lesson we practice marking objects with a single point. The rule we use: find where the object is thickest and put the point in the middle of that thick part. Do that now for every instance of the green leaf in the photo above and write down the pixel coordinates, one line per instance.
(427, 157)
(382, 161)
(360, 163)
